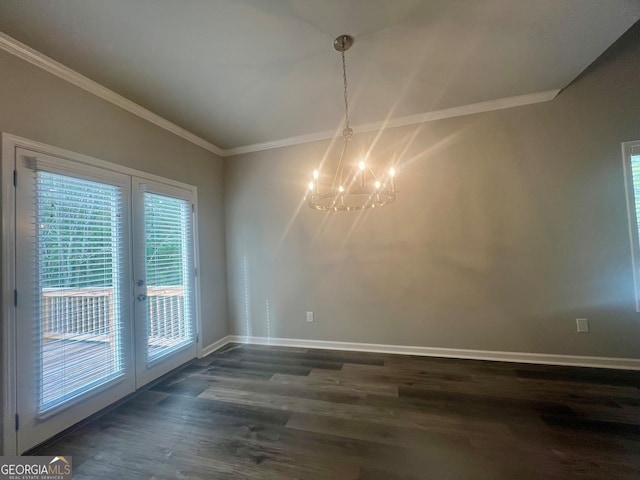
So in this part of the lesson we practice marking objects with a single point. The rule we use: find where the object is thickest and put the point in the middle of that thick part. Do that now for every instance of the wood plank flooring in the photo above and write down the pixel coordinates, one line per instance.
(260, 412)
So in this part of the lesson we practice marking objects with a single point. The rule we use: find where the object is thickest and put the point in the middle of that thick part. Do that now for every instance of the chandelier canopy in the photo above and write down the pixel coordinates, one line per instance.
(355, 184)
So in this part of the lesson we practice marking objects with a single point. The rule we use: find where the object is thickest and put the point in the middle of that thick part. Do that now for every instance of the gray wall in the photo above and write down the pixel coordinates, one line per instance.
(39, 106)
(508, 226)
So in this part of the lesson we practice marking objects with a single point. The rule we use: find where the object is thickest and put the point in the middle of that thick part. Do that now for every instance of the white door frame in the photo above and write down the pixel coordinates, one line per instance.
(9, 144)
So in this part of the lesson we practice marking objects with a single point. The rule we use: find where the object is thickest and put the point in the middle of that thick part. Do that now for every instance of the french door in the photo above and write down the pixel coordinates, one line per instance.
(105, 295)
(164, 276)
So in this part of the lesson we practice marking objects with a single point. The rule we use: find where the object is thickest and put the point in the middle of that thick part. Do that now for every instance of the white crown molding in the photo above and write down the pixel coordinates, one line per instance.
(20, 50)
(470, 109)
(518, 357)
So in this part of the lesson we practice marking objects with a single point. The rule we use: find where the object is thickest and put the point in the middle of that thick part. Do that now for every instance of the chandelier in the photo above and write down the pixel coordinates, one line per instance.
(355, 184)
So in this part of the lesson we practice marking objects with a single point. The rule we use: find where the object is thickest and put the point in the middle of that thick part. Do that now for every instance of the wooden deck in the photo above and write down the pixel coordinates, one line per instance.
(70, 365)
(257, 412)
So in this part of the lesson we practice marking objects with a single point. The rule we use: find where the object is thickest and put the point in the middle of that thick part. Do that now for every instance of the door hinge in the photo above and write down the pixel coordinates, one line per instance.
(15, 298)
(17, 422)
(15, 178)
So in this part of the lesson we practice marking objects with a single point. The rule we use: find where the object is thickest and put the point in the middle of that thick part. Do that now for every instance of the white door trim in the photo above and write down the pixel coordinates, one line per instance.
(9, 437)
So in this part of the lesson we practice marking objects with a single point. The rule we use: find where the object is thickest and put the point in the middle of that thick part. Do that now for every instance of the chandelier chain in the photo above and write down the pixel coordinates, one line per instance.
(346, 100)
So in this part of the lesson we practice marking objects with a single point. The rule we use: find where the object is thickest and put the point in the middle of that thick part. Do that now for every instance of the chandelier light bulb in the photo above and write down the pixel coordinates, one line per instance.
(361, 165)
(392, 172)
(377, 184)
(315, 174)
(341, 189)
(310, 185)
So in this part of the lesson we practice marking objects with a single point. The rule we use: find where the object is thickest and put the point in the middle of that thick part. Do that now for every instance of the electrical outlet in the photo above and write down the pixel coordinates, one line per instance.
(309, 316)
(582, 325)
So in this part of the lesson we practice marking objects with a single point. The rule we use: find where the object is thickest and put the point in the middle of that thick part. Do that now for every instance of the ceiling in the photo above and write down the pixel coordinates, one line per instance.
(245, 72)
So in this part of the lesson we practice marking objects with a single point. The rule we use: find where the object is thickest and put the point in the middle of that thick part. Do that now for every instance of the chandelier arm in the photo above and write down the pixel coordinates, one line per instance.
(339, 170)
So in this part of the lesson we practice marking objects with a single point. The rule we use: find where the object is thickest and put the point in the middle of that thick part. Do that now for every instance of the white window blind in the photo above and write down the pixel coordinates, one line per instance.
(635, 175)
(79, 251)
(169, 274)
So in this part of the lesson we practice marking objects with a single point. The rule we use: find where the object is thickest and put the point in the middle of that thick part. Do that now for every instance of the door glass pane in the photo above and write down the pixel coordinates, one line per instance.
(79, 251)
(168, 274)
(635, 171)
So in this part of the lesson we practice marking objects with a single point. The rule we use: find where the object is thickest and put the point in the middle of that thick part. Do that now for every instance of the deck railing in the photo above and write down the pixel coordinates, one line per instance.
(88, 313)
(166, 311)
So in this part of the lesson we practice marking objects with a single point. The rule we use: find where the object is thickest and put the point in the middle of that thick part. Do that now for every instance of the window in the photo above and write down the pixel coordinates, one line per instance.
(79, 249)
(631, 158)
(168, 268)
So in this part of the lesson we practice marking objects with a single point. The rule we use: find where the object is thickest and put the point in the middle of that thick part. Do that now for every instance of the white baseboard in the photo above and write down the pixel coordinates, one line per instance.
(518, 357)
(209, 349)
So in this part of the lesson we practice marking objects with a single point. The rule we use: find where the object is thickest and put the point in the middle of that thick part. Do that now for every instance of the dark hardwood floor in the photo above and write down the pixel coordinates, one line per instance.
(261, 412)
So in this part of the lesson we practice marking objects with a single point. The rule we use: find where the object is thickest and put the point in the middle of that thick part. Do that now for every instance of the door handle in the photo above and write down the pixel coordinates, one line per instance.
(142, 297)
